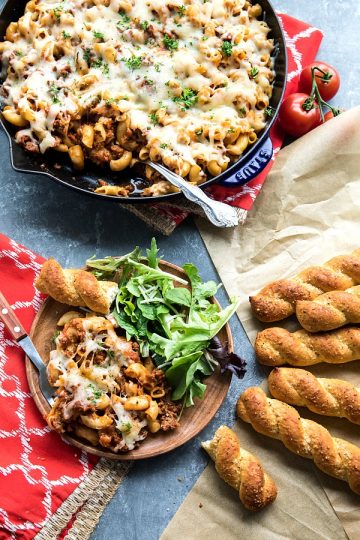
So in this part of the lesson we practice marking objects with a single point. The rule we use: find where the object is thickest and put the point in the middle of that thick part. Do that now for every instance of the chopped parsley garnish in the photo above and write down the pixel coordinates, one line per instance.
(111, 353)
(163, 145)
(100, 64)
(95, 392)
(199, 132)
(98, 35)
(148, 81)
(86, 55)
(144, 25)
(158, 67)
(58, 10)
(20, 54)
(231, 130)
(254, 72)
(55, 335)
(134, 62)
(125, 426)
(124, 18)
(269, 112)
(65, 34)
(242, 112)
(170, 43)
(54, 93)
(109, 101)
(187, 99)
(153, 117)
(181, 10)
(124, 21)
(204, 38)
(226, 48)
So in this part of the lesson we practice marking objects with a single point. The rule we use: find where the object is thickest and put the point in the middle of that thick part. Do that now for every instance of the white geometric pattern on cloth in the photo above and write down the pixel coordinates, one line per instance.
(22, 431)
(296, 54)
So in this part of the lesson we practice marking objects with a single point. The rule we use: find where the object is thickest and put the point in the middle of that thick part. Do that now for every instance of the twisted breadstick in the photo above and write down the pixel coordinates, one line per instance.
(76, 287)
(277, 300)
(277, 346)
(330, 397)
(330, 310)
(240, 469)
(306, 438)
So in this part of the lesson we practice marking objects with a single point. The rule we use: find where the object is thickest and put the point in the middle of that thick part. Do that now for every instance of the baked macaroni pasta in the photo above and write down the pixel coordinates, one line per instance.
(183, 82)
(106, 393)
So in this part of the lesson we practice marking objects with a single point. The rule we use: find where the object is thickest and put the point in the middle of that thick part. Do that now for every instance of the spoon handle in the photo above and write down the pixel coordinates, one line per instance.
(220, 214)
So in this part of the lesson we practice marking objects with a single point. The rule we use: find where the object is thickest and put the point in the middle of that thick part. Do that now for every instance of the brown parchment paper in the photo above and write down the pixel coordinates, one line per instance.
(307, 212)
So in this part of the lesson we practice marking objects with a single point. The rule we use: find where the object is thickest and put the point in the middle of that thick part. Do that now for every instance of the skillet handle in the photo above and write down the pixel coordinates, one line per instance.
(253, 167)
(10, 320)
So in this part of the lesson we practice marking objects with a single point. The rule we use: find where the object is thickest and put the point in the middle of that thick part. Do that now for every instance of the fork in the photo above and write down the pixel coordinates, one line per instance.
(220, 214)
(19, 334)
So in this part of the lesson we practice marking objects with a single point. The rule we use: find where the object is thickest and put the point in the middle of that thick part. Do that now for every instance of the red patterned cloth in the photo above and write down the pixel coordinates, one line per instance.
(37, 470)
(303, 42)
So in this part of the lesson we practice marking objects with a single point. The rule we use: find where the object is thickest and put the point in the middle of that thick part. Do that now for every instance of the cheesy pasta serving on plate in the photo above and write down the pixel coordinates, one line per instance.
(121, 81)
(106, 393)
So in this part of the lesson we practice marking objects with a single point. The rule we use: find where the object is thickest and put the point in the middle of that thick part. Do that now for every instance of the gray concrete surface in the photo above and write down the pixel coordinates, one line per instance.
(55, 221)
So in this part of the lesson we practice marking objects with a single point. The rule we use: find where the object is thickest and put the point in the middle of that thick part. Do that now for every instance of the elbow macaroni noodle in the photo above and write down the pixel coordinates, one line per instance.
(105, 393)
(121, 81)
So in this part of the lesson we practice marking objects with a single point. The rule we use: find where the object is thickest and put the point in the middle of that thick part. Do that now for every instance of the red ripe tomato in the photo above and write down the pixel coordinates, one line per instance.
(294, 119)
(328, 83)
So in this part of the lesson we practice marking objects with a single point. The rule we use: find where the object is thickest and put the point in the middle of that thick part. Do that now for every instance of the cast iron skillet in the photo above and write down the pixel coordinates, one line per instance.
(247, 167)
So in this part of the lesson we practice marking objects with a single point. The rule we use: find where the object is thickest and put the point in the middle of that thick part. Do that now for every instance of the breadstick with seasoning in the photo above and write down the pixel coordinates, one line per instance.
(240, 469)
(277, 346)
(76, 287)
(329, 397)
(278, 300)
(306, 438)
(330, 310)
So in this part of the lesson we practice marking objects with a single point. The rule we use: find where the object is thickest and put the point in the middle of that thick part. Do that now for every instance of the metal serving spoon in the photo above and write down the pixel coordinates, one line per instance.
(19, 334)
(220, 214)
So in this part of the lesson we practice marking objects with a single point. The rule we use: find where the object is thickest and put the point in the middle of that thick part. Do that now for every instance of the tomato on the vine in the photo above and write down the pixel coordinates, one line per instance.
(327, 79)
(294, 117)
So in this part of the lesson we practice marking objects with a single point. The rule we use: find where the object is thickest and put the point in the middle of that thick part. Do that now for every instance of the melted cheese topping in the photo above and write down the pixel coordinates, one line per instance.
(129, 425)
(190, 79)
(95, 381)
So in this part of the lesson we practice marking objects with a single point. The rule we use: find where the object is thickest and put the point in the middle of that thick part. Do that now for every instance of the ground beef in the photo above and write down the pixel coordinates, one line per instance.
(28, 144)
(61, 123)
(168, 415)
(116, 151)
(100, 155)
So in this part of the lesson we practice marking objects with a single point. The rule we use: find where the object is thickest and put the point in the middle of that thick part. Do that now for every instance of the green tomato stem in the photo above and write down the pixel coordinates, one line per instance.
(315, 94)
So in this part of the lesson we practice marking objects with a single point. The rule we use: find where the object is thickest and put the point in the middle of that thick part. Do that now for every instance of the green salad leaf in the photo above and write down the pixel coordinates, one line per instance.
(173, 322)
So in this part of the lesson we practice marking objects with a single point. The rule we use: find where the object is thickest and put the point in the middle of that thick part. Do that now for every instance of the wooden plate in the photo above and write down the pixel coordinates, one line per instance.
(193, 419)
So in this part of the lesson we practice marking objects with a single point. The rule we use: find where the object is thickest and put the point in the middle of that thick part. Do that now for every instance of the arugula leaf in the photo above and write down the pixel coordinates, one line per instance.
(151, 254)
(196, 389)
(125, 324)
(173, 324)
(179, 295)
